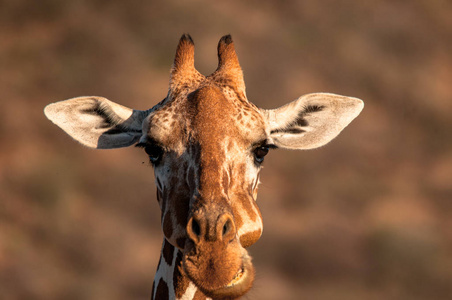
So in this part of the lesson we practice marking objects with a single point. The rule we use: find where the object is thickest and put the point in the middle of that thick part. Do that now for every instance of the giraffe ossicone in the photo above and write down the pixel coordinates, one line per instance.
(206, 143)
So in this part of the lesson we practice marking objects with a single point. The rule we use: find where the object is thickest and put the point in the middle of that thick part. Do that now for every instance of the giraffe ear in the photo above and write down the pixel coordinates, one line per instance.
(97, 122)
(312, 120)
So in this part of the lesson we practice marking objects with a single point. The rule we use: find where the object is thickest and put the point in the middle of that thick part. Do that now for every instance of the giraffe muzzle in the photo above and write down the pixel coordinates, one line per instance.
(214, 259)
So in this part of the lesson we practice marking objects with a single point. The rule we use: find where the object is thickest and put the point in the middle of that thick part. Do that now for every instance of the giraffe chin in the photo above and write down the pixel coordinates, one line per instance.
(219, 271)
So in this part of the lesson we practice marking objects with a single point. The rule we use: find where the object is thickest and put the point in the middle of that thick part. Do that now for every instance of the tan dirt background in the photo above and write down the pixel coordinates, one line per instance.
(367, 217)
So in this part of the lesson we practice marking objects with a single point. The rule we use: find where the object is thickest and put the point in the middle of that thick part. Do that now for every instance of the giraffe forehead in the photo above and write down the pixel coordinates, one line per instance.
(210, 116)
(224, 114)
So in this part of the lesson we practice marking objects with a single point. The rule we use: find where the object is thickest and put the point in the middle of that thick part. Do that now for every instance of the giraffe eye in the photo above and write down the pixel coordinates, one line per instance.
(259, 153)
(155, 153)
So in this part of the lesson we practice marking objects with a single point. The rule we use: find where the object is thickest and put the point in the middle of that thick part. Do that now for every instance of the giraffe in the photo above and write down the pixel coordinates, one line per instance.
(206, 143)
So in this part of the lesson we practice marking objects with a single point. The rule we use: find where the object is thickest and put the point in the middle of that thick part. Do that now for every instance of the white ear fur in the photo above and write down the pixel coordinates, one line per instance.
(97, 122)
(312, 120)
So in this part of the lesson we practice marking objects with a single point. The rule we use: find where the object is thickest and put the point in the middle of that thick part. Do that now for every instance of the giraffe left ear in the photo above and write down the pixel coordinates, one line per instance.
(312, 120)
(97, 122)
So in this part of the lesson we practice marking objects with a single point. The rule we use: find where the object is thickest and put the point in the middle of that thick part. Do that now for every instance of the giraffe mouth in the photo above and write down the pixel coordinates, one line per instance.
(242, 280)
(221, 284)
(239, 276)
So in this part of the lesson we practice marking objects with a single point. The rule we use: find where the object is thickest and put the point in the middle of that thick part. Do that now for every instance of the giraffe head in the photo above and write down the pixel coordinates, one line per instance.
(206, 143)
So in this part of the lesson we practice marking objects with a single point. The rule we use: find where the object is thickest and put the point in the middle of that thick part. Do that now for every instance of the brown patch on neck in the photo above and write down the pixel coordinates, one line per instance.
(162, 292)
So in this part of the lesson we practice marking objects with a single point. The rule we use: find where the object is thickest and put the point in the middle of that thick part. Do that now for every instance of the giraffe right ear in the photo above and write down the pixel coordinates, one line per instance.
(97, 122)
(312, 120)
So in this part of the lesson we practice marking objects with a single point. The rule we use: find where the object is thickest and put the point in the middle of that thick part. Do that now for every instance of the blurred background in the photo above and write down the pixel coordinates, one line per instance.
(368, 216)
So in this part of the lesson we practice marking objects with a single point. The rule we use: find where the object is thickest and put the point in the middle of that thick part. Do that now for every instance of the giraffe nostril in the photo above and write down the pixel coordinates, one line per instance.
(210, 228)
(196, 229)
(226, 227)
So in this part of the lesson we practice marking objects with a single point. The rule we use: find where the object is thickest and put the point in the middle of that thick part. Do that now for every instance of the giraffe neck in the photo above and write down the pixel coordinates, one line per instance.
(169, 282)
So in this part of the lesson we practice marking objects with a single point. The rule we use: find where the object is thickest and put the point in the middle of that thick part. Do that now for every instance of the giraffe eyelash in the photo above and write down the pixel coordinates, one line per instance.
(264, 143)
(153, 150)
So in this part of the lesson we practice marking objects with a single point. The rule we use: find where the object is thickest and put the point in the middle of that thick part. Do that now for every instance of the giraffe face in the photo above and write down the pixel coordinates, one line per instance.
(207, 143)
(207, 154)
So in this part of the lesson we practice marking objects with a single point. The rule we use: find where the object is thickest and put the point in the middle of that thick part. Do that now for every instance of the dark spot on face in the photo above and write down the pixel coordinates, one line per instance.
(180, 242)
(167, 252)
(181, 209)
(168, 225)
